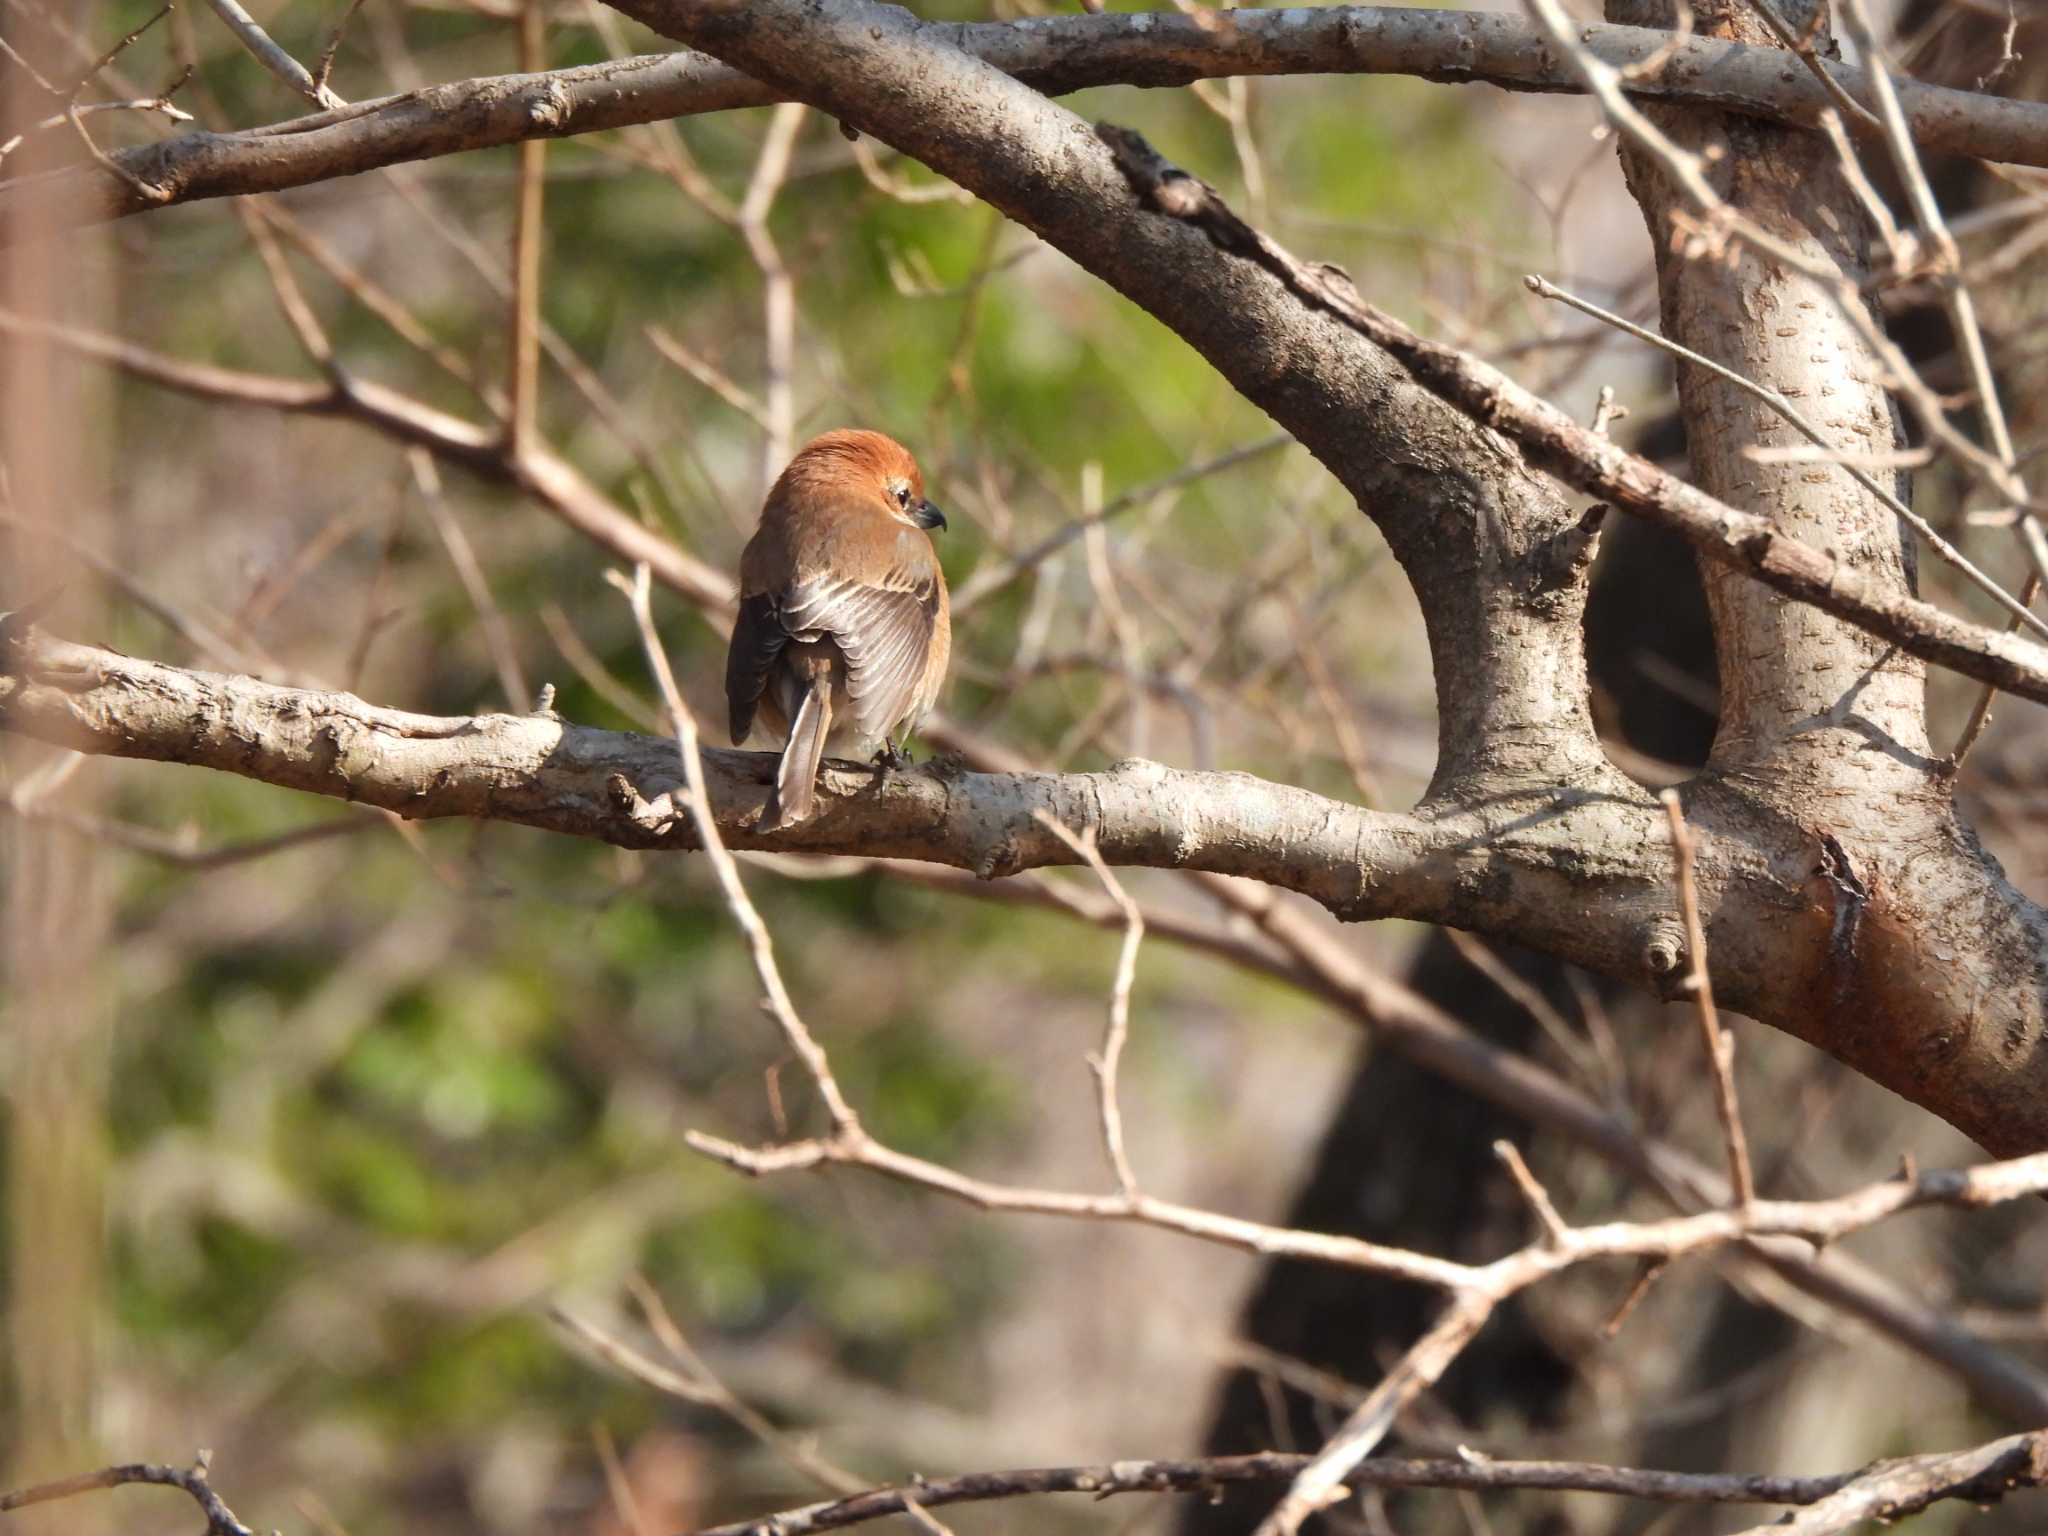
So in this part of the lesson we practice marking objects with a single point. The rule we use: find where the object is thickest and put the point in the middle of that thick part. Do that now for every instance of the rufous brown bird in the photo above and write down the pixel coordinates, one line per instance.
(844, 628)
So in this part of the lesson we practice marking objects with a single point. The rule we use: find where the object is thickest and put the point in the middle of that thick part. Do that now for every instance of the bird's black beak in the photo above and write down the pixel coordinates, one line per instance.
(925, 515)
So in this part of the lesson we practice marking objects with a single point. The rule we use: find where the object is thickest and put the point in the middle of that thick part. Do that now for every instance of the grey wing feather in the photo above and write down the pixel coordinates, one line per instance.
(885, 634)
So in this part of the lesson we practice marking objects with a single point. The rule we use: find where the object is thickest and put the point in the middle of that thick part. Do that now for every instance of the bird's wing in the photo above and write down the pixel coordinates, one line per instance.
(885, 631)
(758, 637)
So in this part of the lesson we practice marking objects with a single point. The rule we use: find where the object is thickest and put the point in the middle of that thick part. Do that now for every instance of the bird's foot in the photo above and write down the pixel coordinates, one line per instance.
(892, 757)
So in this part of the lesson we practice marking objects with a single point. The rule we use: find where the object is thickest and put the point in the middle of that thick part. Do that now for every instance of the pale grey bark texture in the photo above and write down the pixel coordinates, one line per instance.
(1823, 727)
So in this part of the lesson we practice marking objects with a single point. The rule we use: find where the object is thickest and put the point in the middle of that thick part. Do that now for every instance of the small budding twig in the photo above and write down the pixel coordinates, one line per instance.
(220, 1520)
(1538, 1198)
(1980, 712)
(1607, 410)
(327, 55)
(1720, 1044)
(1646, 1277)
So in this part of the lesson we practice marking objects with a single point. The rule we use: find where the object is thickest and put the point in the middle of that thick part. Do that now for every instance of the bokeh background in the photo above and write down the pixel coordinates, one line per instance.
(317, 1126)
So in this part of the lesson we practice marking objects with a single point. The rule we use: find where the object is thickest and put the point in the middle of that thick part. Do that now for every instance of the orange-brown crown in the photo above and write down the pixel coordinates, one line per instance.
(850, 457)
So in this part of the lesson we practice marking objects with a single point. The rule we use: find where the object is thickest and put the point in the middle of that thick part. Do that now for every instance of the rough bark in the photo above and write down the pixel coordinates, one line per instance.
(1053, 54)
(1823, 727)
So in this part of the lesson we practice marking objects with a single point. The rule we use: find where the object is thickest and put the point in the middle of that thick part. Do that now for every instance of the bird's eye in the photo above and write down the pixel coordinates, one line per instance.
(903, 496)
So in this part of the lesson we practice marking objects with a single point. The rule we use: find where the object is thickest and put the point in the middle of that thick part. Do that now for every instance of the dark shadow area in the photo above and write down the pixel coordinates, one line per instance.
(1408, 1158)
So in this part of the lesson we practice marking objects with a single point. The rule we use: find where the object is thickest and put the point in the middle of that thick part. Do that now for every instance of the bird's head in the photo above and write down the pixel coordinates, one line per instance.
(867, 465)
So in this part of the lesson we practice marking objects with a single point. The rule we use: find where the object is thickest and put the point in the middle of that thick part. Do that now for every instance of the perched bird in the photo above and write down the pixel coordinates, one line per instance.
(844, 626)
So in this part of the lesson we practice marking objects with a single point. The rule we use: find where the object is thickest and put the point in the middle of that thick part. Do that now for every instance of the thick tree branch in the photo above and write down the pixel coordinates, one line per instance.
(1052, 54)
(1587, 877)
(1890, 1490)
(627, 789)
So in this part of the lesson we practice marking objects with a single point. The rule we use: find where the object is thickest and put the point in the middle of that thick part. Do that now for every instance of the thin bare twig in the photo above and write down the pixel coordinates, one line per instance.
(292, 302)
(327, 55)
(1794, 43)
(1980, 712)
(693, 1381)
(160, 104)
(778, 288)
(523, 359)
(99, 65)
(712, 377)
(1480, 955)
(1646, 1277)
(1322, 1482)
(1721, 223)
(1145, 1210)
(74, 112)
(543, 474)
(200, 635)
(899, 189)
(1948, 279)
(1720, 1045)
(273, 58)
(1805, 428)
(497, 633)
(379, 301)
(590, 667)
(984, 583)
(1531, 1189)
(1104, 1064)
(759, 944)
(605, 407)
(1110, 604)
(182, 849)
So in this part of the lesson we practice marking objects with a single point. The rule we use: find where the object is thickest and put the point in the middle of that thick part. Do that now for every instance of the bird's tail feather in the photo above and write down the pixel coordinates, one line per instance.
(797, 775)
